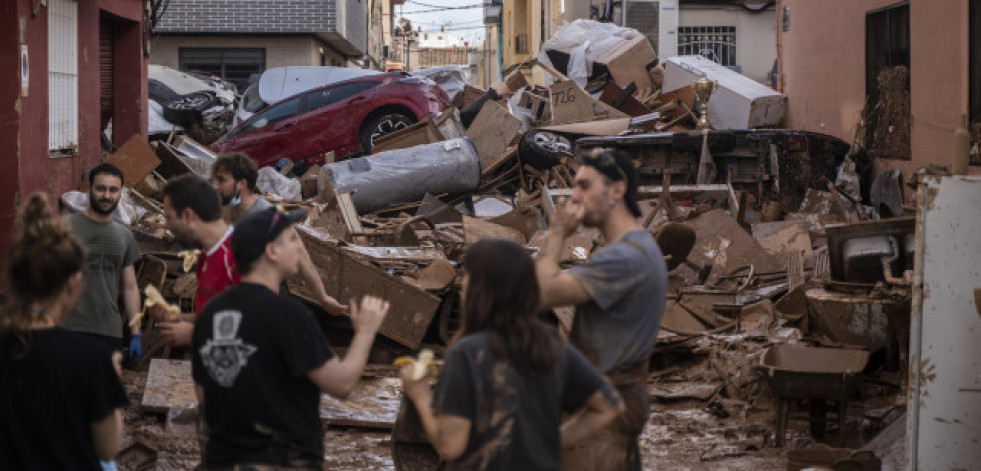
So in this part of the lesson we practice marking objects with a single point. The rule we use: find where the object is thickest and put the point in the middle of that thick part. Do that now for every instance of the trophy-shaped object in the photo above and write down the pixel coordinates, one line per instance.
(703, 91)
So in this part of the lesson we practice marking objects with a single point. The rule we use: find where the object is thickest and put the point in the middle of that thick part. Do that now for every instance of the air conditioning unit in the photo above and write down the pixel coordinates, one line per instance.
(644, 16)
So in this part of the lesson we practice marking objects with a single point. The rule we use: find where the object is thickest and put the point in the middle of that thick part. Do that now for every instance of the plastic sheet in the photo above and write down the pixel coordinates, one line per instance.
(127, 213)
(270, 181)
(398, 176)
(584, 41)
(847, 180)
(451, 78)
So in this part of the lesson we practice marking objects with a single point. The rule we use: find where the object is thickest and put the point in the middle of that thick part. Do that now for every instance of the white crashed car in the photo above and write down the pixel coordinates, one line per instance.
(180, 98)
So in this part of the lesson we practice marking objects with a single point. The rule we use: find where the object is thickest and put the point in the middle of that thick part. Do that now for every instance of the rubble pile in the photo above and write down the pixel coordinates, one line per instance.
(779, 245)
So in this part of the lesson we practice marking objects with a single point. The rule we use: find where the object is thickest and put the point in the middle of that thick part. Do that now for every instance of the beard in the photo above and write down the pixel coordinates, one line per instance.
(99, 206)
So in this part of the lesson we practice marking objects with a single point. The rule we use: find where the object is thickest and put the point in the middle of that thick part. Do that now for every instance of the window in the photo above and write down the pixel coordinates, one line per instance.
(717, 43)
(887, 110)
(62, 75)
(274, 114)
(331, 95)
(521, 44)
(233, 65)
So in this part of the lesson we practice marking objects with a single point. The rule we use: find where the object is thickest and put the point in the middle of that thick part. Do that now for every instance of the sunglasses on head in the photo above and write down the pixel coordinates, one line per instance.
(604, 160)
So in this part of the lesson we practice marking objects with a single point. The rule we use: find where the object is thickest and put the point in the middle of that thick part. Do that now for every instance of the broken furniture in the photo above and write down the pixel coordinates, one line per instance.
(818, 374)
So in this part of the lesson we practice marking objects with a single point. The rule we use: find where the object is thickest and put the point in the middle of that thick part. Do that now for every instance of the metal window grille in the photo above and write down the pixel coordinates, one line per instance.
(62, 74)
(717, 43)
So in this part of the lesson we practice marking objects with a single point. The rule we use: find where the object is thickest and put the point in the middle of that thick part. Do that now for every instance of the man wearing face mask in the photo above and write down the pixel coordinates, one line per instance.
(109, 270)
(234, 177)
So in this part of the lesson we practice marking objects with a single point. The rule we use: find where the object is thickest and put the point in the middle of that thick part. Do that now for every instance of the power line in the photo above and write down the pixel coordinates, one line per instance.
(434, 10)
(414, 2)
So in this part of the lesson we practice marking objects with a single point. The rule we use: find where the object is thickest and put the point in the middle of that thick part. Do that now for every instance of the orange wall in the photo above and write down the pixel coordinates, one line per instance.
(823, 71)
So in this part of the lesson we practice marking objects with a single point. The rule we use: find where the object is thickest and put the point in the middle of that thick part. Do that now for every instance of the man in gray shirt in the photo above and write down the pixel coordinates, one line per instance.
(619, 294)
(109, 271)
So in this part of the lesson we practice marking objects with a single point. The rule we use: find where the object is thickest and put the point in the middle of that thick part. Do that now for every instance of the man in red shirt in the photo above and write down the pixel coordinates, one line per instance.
(192, 211)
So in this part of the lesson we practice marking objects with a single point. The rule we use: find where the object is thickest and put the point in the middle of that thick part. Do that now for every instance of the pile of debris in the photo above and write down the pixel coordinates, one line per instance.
(777, 250)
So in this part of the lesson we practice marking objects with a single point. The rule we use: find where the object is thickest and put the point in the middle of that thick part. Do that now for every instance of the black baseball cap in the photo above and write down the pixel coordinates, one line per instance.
(616, 165)
(257, 229)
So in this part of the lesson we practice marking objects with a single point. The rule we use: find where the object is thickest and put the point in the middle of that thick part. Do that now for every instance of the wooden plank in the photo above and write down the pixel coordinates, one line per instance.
(136, 159)
(722, 243)
(436, 277)
(345, 277)
(349, 213)
(423, 132)
(374, 403)
(476, 229)
(403, 254)
(499, 161)
(170, 164)
(168, 386)
(492, 131)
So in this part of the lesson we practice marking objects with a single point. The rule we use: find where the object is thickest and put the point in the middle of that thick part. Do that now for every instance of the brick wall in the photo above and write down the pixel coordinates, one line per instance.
(256, 16)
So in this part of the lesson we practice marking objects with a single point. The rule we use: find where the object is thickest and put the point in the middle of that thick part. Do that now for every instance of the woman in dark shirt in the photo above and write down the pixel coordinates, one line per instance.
(508, 377)
(60, 395)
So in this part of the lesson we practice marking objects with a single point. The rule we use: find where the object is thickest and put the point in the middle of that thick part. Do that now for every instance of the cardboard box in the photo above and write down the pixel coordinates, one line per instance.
(738, 102)
(627, 63)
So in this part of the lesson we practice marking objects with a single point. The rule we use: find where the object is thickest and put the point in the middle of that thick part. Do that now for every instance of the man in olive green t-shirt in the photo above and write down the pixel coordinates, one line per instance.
(109, 271)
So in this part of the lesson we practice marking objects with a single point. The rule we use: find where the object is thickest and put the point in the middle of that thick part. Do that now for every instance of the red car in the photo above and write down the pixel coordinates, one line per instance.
(343, 117)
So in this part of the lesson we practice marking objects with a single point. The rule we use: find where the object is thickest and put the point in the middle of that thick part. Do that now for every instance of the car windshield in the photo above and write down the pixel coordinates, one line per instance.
(251, 101)
(273, 114)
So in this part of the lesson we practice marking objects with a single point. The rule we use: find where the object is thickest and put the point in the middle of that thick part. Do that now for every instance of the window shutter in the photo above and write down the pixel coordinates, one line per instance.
(62, 74)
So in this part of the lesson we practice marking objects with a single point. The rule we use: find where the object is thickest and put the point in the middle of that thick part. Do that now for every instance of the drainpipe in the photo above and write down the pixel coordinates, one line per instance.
(500, 42)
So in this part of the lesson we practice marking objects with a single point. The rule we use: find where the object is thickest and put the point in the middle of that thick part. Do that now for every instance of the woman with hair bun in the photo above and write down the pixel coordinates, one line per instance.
(60, 394)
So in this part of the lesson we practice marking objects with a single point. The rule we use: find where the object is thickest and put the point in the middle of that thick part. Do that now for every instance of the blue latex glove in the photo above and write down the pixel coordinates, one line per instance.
(108, 465)
(136, 348)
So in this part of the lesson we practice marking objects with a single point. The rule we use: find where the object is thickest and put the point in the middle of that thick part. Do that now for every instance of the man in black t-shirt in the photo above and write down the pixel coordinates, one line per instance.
(260, 360)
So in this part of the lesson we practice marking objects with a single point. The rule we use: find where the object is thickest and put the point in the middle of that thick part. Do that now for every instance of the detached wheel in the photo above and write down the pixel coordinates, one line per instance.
(543, 149)
(378, 126)
(187, 109)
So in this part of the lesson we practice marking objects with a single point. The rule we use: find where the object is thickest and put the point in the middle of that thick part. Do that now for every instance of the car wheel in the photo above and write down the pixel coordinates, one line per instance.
(381, 125)
(187, 109)
(161, 93)
(543, 149)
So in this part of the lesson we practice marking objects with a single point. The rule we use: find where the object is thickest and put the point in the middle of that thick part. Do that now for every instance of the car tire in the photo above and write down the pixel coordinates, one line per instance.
(382, 124)
(161, 93)
(187, 109)
(543, 149)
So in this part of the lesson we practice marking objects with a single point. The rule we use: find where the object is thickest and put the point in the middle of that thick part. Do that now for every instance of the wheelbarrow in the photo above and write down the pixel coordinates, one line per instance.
(818, 374)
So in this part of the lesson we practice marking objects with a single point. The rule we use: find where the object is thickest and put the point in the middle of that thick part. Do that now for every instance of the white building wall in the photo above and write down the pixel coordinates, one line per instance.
(756, 35)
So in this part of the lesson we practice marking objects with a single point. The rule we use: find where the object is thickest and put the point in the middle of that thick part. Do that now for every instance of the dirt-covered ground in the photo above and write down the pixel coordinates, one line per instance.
(729, 425)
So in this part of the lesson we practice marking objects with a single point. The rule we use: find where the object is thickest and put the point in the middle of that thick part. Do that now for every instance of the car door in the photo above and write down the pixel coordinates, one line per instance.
(269, 133)
(334, 114)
